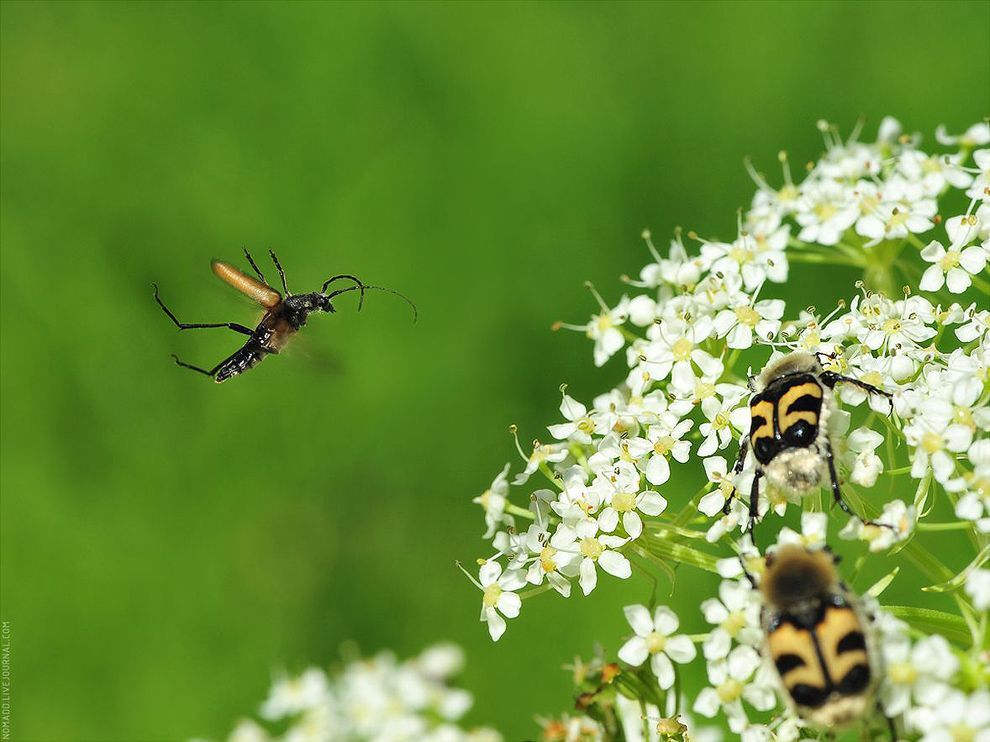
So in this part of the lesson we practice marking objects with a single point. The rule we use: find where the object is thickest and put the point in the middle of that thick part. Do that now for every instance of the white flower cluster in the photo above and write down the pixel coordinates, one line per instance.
(378, 699)
(616, 477)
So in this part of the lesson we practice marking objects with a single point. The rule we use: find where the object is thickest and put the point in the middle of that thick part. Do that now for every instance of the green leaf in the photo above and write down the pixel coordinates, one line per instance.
(880, 585)
(956, 582)
(931, 621)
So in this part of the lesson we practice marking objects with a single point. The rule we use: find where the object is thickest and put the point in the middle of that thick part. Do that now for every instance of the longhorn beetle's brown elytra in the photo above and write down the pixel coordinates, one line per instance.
(818, 639)
(789, 431)
(284, 314)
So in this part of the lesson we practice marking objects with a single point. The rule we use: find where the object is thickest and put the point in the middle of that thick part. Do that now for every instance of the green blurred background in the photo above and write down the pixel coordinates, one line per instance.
(166, 541)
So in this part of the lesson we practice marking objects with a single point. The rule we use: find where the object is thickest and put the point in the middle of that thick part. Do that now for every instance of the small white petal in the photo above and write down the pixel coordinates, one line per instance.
(712, 503)
(634, 651)
(932, 280)
(665, 620)
(680, 649)
(632, 523)
(958, 281)
(651, 503)
(707, 704)
(615, 564)
(489, 573)
(639, 619)
(589, 576)
(663, 669)
(509, 604)
(496, 624)
(657, 470)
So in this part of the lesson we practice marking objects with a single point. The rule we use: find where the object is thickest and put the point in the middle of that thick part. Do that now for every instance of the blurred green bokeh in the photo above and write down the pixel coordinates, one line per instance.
(167, 542)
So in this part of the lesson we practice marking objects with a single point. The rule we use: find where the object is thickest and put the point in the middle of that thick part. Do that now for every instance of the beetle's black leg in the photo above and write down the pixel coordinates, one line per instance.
(255, 266)
(281, 273)
(830, 379)
(200, 325)
(837, 492)
(746, 574)
(195, 368)
(754, 504)
(834, 477)
(736, 469)
(892, 727)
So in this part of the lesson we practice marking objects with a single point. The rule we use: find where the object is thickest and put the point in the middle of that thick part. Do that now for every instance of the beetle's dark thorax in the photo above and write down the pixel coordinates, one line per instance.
(296, 308)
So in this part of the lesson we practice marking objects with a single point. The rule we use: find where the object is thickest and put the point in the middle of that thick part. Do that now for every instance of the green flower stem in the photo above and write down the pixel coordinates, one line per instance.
(981, 284)
(673, 528)
(679, 553)
(896, 472)
(545, 470)
(688, 511)
(660, 564)
(533, 591)
(956, 526)
(521, 512)
(822, 258)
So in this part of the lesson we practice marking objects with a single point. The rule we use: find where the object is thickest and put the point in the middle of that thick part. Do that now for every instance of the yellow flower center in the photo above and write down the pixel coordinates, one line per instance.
(655, 642)
(739, 254)
(891, 326)
(603, 322)
(591, 548)
(485, 499)
(870, 532)
(931, 442)
(735, 623)
(703, 390)
(824, 212)
(492, 593)
(720, 421)
(964, 416)
(903, 673)
(729, 691)
(897, 219)
(586, 425)
(682, 349)
(624, 501)
(547, 555)
(868, 204)
(981, 486)
(747, 316)
(949, 261)
(664, 445)
(812, 340)
(788, 193)
(962, 733)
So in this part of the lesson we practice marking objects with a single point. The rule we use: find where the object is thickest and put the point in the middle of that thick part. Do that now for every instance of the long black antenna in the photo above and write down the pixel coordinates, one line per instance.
(363, 286)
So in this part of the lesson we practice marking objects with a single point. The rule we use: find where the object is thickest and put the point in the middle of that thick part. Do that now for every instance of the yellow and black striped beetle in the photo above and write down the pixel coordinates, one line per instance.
(818, 639)
(789, 431)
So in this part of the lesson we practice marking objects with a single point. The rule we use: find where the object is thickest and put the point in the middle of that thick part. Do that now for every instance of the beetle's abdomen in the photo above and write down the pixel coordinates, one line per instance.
(243, 360)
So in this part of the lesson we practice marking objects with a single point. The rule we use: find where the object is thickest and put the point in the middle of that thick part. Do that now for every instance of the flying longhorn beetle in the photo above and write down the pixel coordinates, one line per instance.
(284, 314)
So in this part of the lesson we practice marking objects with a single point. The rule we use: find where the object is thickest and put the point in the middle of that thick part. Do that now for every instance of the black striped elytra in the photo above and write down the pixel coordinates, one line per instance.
(817, 638)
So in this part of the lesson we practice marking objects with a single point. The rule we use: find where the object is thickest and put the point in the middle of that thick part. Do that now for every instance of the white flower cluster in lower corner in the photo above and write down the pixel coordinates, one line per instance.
(379, 698)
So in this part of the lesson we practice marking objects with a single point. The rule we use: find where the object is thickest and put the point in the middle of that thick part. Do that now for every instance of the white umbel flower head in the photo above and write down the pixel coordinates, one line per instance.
(655, 639)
